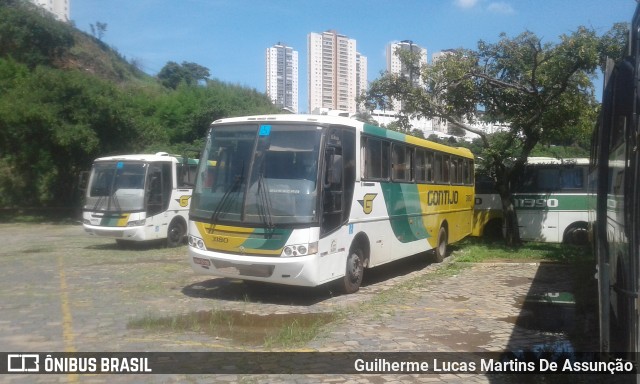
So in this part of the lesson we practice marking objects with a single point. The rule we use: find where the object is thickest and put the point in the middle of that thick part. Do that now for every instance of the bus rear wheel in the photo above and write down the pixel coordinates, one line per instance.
(354, 271)
(441, 246)
(175, 234)
(576, 235)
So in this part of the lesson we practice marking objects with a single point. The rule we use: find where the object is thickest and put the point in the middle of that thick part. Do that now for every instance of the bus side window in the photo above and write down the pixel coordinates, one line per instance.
(572, 178)
(401, 162)
(376, 156)
(456, 175)
(429, 167)
(466, 172)
(421, 167)
(186, 175)
(437, 169)
(446, 167)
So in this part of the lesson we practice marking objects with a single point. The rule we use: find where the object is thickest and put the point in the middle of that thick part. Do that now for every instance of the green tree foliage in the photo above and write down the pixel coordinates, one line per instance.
(174, 74)
(52, 124)
(542, 91)
(29, 36)
(58, 112)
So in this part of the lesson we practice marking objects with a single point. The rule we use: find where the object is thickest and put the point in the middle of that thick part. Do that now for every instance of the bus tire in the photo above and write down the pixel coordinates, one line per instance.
(353, 271)
(441, 247)
(175, 233)
(576, 234)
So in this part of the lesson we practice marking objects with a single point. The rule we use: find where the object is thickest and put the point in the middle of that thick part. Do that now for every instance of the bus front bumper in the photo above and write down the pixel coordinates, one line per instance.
(121, 233)
(281, 270)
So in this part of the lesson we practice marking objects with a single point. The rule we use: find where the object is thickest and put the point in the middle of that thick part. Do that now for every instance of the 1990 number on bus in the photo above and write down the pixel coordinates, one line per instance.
(536, 203)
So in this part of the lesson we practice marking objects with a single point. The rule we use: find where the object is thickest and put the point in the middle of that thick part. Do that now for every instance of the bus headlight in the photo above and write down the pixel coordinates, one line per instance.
(300, 250)
(196, 242)
(136, 223)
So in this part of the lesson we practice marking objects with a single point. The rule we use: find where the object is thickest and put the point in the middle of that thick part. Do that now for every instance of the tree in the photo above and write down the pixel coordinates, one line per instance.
(173, 74)
(98, 30)
(542, 91)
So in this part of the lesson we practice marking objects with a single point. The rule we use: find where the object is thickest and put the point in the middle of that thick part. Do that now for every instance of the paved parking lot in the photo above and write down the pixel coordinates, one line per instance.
(62, 290)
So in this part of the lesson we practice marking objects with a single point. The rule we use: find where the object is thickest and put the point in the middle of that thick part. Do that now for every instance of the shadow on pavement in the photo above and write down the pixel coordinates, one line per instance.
(251, 291)
(558, 323)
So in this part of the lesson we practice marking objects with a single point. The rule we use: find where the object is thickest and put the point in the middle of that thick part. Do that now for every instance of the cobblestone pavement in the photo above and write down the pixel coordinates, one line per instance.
(62, 290)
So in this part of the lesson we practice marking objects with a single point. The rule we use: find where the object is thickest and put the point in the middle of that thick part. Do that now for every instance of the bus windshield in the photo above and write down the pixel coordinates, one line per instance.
(116, 186)
(259, 175)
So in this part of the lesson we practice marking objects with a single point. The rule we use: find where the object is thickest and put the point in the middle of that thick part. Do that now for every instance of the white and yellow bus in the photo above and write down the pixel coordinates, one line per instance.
(305, 199)
(139, 197)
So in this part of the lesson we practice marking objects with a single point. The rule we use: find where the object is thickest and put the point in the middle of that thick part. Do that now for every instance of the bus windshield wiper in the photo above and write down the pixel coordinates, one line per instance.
(225, 198)
(265, 201)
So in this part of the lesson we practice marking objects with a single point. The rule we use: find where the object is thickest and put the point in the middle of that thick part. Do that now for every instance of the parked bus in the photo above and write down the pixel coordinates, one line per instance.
(139, 197)
(306, 199)
(487, 208)
(551, 201)
(615, 229)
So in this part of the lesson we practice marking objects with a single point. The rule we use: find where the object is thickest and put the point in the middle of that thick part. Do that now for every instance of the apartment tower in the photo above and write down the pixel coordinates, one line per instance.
(282, 76)
(337, 74)
(59, 8)
(394, 64)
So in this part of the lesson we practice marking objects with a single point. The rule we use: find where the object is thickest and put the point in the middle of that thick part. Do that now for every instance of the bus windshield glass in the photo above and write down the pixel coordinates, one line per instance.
(116, 186)
(259, 175)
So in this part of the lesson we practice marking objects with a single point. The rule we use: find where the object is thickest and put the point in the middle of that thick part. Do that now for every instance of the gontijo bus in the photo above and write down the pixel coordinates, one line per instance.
(306, 199)
(139, 197)
(550, 198)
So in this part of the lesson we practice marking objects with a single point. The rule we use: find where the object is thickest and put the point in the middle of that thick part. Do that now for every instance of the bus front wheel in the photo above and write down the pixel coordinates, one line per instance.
(354, 271)
(441, 246)
(175, 233)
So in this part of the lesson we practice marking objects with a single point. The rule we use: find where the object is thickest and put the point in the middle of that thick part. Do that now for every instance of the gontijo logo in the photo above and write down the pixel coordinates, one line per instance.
(184, 200)
(367, 202)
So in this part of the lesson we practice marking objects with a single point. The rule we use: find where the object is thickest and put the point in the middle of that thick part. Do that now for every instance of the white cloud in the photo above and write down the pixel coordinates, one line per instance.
(501, 7)
(465, 3)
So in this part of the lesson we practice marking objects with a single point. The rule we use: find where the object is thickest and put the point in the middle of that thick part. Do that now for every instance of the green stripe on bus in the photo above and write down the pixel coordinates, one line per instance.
(377, 131)
(405, 215)
(267, 239)
(551, 202)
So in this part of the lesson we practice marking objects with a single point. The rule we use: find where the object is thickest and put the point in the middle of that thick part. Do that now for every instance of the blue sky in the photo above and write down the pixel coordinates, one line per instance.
(230, 36)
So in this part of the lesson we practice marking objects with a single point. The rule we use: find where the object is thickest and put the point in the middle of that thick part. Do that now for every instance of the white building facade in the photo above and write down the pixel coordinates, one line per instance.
(337, 73)
(60, 9)
(282, 76)
(394, 65)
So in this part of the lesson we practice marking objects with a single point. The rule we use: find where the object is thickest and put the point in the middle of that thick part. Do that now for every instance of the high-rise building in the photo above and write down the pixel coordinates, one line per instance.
(59, 8)
(394, 64)
(282, 76)
(336, 72)
(437, 55)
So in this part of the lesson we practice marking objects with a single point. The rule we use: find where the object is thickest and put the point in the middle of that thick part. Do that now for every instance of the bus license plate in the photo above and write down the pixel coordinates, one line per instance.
(200, 261)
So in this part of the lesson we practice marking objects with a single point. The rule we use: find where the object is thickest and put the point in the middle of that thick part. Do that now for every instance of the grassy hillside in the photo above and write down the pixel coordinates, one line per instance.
(67, 98)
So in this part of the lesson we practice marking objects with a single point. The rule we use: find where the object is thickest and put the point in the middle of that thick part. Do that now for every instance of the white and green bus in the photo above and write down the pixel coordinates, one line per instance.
(139, 197)
(551, 201)
(306, 199)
